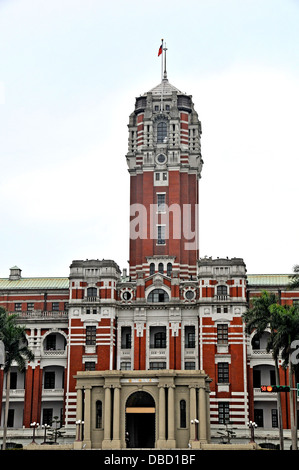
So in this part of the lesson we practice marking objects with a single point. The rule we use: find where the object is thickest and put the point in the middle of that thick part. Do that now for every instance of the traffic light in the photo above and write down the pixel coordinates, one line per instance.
(275, 388)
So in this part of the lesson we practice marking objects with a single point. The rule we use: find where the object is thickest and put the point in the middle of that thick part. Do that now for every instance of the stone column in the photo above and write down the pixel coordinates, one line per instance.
(79, 417)
(107, 419)
(202, 415)
(192, 398)
(161, 442)
(116, 419)
(171, 441)
(87, 417)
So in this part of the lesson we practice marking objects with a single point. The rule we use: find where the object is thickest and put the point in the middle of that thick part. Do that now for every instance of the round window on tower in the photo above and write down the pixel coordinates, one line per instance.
(126, 295)
(189, 294)
(161, 158)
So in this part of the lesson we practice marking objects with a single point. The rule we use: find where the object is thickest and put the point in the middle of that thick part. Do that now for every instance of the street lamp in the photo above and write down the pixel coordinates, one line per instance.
(45, 427)
(34, 425)
(252, 425)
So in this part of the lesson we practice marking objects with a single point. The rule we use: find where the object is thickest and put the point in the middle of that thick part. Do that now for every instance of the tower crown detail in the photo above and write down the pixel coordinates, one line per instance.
(164, 121)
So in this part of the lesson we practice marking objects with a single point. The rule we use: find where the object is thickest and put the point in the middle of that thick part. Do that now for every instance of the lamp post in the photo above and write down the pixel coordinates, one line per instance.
(34, 425)
(45, 427)
(252, 425)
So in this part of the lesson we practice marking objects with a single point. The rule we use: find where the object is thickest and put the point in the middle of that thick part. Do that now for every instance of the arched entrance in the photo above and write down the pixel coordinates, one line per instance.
(140, 420)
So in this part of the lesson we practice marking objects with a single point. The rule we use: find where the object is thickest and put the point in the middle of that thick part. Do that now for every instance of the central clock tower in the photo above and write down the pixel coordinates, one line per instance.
(164, 162)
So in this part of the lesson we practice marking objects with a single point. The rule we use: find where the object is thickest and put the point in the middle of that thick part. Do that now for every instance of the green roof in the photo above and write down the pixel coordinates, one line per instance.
(63, 282)
(268, 279)
(35, 283)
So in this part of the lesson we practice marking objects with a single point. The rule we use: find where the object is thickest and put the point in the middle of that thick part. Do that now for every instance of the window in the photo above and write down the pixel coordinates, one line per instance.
(189, 295)
(161, 158)
(126, 338)
(13, 380)
(160, 340)
(91, 335)
(183, 420)
(152, 269)
(255, 342)
(189, 365)
(190, 337)
(223, 413)
(274, 418)
(222, 290)
(91, 292)
(49, 382)
(51, 343)
(259, 417)
(256, 378)
(161, 200)
(10, 419)
(157, 365)
(55, 306)
(99, 414)
(47, 416)
(158, 295)
(125, 365)
(161, 268)
(223, 376)
(90, 365)
(30, 306)
(222, 333)
(169, 269)
(18, 307)
(161, 235)
(161, 132)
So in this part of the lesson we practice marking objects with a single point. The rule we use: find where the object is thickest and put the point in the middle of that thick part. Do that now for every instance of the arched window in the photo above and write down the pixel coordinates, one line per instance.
(221, 290)
(161, 132)
(99, 414)
(158, 295)
(183, 420)
(169, 269)
(91, 292)
(161, 268)
(152, 269)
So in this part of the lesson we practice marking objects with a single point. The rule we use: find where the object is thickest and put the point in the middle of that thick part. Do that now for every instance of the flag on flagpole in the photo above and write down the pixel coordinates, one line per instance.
(160, 50)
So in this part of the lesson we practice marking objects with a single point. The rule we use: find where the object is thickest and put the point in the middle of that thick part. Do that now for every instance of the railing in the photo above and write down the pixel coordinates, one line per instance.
(91, 299)
(260, 352)
(54, 352)
(41, 314)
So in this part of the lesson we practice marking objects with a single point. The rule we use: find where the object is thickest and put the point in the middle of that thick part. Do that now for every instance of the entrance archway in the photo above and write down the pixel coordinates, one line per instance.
(140, 420)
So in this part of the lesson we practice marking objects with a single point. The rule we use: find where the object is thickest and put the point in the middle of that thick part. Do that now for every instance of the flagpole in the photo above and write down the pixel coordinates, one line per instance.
(162, 61)
(165, 73)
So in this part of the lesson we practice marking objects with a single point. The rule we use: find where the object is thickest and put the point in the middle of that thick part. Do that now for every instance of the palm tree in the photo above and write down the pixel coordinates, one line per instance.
(16, 351)
(287, 332)
(258, 318)
(294, 282)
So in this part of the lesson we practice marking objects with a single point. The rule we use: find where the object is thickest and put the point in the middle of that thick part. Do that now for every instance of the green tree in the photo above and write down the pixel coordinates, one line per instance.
(16, 351)
(259, 317)
(284, 341)
(294, 282)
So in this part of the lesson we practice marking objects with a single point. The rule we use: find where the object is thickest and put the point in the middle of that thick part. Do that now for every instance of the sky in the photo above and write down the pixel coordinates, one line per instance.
(70, 71)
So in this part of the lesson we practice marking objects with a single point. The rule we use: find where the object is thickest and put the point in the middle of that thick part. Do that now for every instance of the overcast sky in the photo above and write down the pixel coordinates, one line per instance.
(69, 74)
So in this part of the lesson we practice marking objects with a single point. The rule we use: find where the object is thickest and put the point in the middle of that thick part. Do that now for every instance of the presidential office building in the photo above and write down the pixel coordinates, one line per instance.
(154, 356)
